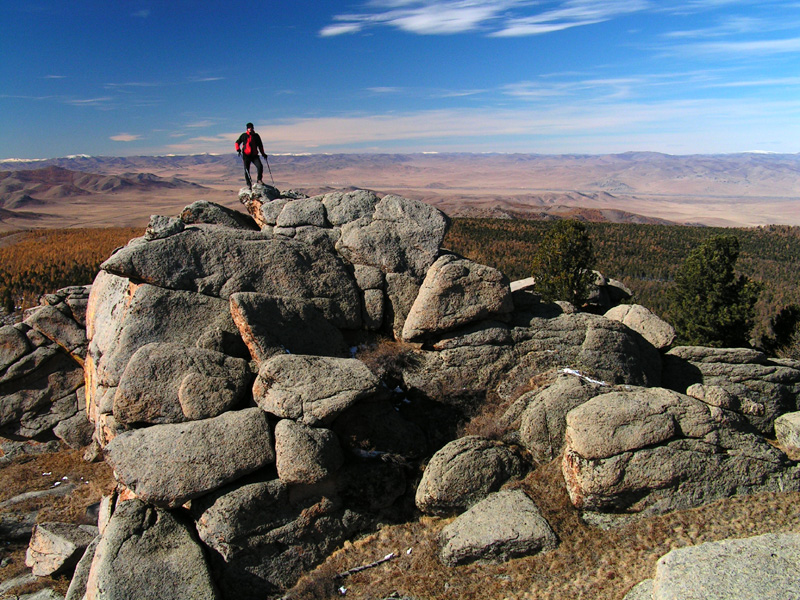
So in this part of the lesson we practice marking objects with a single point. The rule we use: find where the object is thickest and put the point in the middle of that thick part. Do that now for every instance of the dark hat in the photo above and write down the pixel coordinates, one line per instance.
(249, 126)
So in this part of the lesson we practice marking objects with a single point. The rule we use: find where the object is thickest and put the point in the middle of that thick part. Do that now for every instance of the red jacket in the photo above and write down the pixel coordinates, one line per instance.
(250, 144)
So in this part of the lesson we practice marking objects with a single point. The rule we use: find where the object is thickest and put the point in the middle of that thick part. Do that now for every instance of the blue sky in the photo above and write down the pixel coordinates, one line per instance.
(565, 76)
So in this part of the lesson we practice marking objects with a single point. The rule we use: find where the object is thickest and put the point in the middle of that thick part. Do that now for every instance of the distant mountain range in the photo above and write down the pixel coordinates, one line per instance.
(729, 189)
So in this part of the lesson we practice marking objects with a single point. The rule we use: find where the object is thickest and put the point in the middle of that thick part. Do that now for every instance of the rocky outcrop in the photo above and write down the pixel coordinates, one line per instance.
(653, 450)
(747, 375)
(756, 568)
(41, 370)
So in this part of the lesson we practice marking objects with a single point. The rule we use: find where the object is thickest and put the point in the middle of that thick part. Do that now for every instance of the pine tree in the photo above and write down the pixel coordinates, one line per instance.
(711, 304)
(562, 264)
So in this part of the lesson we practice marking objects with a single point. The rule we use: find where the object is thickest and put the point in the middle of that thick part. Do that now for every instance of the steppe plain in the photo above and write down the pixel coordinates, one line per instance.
(736, 190)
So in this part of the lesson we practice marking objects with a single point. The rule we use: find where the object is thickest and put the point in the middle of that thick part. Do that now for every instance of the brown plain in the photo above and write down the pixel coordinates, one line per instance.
(720, 190)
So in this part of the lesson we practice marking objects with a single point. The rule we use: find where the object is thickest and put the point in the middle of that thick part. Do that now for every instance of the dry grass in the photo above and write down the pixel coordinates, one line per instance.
(588, 564)
(35, 473)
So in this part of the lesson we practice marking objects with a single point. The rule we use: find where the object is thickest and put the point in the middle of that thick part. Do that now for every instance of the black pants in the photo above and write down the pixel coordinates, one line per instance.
(254, 159)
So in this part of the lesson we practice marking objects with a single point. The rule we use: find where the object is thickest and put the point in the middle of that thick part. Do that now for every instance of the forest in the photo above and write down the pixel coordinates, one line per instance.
(644, 257)
(42, 261)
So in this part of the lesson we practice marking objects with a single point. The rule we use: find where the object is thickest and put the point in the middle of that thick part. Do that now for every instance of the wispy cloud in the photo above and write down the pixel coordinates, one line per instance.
(142, 14)
(501, 18)
(125, 137)
(100, 101)
(55, 76)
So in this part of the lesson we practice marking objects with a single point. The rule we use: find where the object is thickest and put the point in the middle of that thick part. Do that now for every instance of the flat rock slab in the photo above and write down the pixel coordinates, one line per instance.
(170, 383)
(57, 547)
(312, 389)
(653, 450)
(150, 554)
(218, 261)
(758, 568)
(167, 465)
(464, 472)
(502, 526)
(456, 291)
(273, 325)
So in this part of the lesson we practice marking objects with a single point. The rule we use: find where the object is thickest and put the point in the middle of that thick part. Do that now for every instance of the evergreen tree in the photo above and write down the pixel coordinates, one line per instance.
(711, 305)
(562, 264)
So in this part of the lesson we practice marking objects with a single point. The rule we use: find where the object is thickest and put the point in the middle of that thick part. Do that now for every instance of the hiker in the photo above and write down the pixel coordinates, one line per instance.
(248, 146)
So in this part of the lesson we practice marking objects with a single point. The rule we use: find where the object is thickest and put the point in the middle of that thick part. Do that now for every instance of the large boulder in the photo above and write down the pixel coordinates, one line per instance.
(167, 465)
(756, 568)
(170, 383)
(275, 325)
(502, 526)
(305, 455)
(746, 374)
(464, 472)
(401, 236)
(55, 548)
(544, 420)
(312, 389)
(654, 450)
(149, 554)
(456, 291)
(219, 261)
(262, 540)
(652, 328)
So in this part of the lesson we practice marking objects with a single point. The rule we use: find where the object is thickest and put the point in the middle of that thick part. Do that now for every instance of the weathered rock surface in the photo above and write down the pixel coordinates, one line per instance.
(167, 465)
(57, 547)
(456, 292)
(275, 325)
(199, 260)
(787, 432)
(653, 450)
(746, 374)
(170, 383)
(756, 568)
(216, 214)
(256, 531)
(312, 389)
(401, 236)
(305, 455)
(146, 552)
(544, 421)
(652, 328)
(503, 525)
(464, 472)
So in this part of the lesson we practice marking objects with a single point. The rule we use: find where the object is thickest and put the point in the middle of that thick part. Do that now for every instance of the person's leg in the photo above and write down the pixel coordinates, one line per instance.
(260, 167)
(247, 161)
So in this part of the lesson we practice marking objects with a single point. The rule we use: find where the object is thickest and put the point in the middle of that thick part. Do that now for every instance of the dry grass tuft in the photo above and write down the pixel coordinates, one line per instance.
(388, 358)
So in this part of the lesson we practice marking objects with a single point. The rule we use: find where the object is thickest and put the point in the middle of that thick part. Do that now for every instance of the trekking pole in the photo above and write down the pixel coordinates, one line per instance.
(270, 170)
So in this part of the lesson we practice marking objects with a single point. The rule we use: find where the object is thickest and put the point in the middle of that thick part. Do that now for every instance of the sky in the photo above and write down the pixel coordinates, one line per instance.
(533, 76)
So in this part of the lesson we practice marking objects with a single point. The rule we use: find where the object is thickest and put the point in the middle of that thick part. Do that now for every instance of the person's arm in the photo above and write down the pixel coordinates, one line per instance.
(261, 147)
(238, 147)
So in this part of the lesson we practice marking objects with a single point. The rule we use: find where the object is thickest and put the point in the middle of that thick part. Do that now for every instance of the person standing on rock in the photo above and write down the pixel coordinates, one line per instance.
(248, 146)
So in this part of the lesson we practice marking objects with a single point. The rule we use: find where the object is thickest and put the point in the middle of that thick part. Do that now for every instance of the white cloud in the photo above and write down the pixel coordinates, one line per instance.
(125, 137)
(90, 101)
(502, 18)
(142, 14)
